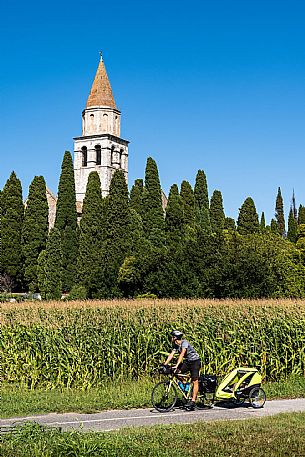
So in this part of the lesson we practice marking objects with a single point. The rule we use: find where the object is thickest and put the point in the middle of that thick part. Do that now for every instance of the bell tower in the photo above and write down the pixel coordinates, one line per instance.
(100, 147)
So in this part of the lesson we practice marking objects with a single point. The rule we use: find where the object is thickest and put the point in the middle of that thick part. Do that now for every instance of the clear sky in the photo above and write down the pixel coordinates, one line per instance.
(217, 85)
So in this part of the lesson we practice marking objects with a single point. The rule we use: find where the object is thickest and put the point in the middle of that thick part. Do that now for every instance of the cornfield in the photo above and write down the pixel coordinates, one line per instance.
(84, 344)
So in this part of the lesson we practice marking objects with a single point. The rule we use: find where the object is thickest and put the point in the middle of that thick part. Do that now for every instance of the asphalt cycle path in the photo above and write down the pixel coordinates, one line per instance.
(116, 419)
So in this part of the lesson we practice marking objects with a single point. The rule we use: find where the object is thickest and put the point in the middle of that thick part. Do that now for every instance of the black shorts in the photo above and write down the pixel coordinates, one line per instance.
(193, 367)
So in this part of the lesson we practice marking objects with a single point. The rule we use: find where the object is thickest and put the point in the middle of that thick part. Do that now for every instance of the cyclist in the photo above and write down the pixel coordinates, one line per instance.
(188, 360)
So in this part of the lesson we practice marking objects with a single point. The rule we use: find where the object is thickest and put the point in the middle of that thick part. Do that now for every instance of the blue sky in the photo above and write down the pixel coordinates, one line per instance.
(215, 85)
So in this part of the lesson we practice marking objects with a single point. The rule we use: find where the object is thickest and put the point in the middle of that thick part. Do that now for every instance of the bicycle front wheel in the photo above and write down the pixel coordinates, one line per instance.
(164, 396)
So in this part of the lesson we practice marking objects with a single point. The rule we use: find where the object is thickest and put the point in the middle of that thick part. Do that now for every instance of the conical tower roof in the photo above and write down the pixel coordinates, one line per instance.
(101, 92)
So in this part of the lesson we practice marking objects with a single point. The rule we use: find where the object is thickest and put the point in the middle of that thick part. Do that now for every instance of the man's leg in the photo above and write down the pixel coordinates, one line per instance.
(195, 390)
(194, 369)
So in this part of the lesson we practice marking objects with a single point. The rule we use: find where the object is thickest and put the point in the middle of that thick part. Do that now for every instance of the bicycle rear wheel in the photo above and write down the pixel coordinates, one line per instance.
(164, 396)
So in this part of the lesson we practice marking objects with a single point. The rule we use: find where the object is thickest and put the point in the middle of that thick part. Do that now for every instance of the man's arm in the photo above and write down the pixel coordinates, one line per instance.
(170, 357)
(180, 358)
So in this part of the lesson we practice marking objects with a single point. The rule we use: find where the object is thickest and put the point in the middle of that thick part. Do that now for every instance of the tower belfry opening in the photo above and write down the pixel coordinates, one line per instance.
(100, 148)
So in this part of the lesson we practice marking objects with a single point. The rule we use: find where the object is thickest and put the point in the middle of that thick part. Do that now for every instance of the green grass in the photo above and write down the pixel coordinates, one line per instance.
(278, 436)
(18, 401)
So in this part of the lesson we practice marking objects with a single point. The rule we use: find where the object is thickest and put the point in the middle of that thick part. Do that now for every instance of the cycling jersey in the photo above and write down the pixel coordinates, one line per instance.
(191, 355)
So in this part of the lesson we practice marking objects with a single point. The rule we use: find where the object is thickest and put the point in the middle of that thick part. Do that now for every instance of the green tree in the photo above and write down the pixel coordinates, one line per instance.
(294, 207)
(300, 244)
(138, 242)
(53, 266)
(274, 227)
(91, 236)
(279, 213)
(174, 216)
(247, 221)
(301, 215)
(41, 273)
(292, 227)
(188, 202)
(117, 234)
(153, 216)
(136, 196)
(217, 215)
(129, 276)
(263, 265)
(230, 224)
(11, 221)
(262, 224)
(66, 221)
(201, 190)
(202, 213)
(35, 229)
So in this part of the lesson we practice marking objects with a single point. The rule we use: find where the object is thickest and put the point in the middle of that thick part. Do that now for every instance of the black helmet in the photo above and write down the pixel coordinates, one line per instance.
(176, 334)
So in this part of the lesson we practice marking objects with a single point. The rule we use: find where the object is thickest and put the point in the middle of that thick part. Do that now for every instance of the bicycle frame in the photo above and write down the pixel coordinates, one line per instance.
(174, 379)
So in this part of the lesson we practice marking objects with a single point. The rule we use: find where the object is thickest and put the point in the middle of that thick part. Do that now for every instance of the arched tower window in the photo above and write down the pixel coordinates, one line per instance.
(105, 122)
(98, 155)
(91, 125)
(84, 156)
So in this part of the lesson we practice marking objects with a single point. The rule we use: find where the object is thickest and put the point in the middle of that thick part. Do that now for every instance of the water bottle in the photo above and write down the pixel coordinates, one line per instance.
(181, 385)
(187, 387)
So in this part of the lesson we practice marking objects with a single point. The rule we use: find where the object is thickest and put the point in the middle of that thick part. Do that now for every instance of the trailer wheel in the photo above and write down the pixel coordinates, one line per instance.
(257, 397)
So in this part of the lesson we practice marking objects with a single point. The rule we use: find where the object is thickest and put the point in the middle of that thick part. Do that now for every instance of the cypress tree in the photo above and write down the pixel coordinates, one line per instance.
(301, 215)
(66, 221)
(91, 235)
(174, 216)
(294, 208)
(41, 274)
(217, 215)
(136, 196)
(53, 265)
(11, 222)
(188, 202)
(300, 244)
(35, 229)
(279, 213)
(248, 218)
(274, 227)
(117, 232)
(153, 216)
(292, 227)
(262, 224)
(230, 224)
(138, 242)
(201, 191)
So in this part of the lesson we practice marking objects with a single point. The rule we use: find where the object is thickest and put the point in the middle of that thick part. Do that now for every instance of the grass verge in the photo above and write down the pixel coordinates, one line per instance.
(18, 401)
(282, 435)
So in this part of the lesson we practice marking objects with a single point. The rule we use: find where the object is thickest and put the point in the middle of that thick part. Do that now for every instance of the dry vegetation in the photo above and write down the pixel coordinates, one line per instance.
(153, 303)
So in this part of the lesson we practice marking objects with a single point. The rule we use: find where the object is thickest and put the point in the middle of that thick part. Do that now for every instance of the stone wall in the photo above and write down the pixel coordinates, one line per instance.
(52, 200)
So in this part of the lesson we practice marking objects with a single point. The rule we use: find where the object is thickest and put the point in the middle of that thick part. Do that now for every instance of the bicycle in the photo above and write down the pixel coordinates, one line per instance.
(165, 393)
(241, 385)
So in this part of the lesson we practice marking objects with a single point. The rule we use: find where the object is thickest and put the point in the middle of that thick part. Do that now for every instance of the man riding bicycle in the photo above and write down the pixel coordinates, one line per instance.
(188, 360)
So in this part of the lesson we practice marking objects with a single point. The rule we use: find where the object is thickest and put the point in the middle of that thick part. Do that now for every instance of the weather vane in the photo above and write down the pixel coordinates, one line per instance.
(101, 54)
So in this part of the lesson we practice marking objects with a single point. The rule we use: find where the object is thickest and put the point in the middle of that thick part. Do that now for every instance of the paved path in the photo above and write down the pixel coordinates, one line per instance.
(116, 419)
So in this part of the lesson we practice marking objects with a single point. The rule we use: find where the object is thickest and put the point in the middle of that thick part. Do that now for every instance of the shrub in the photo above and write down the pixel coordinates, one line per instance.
(77, 293)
